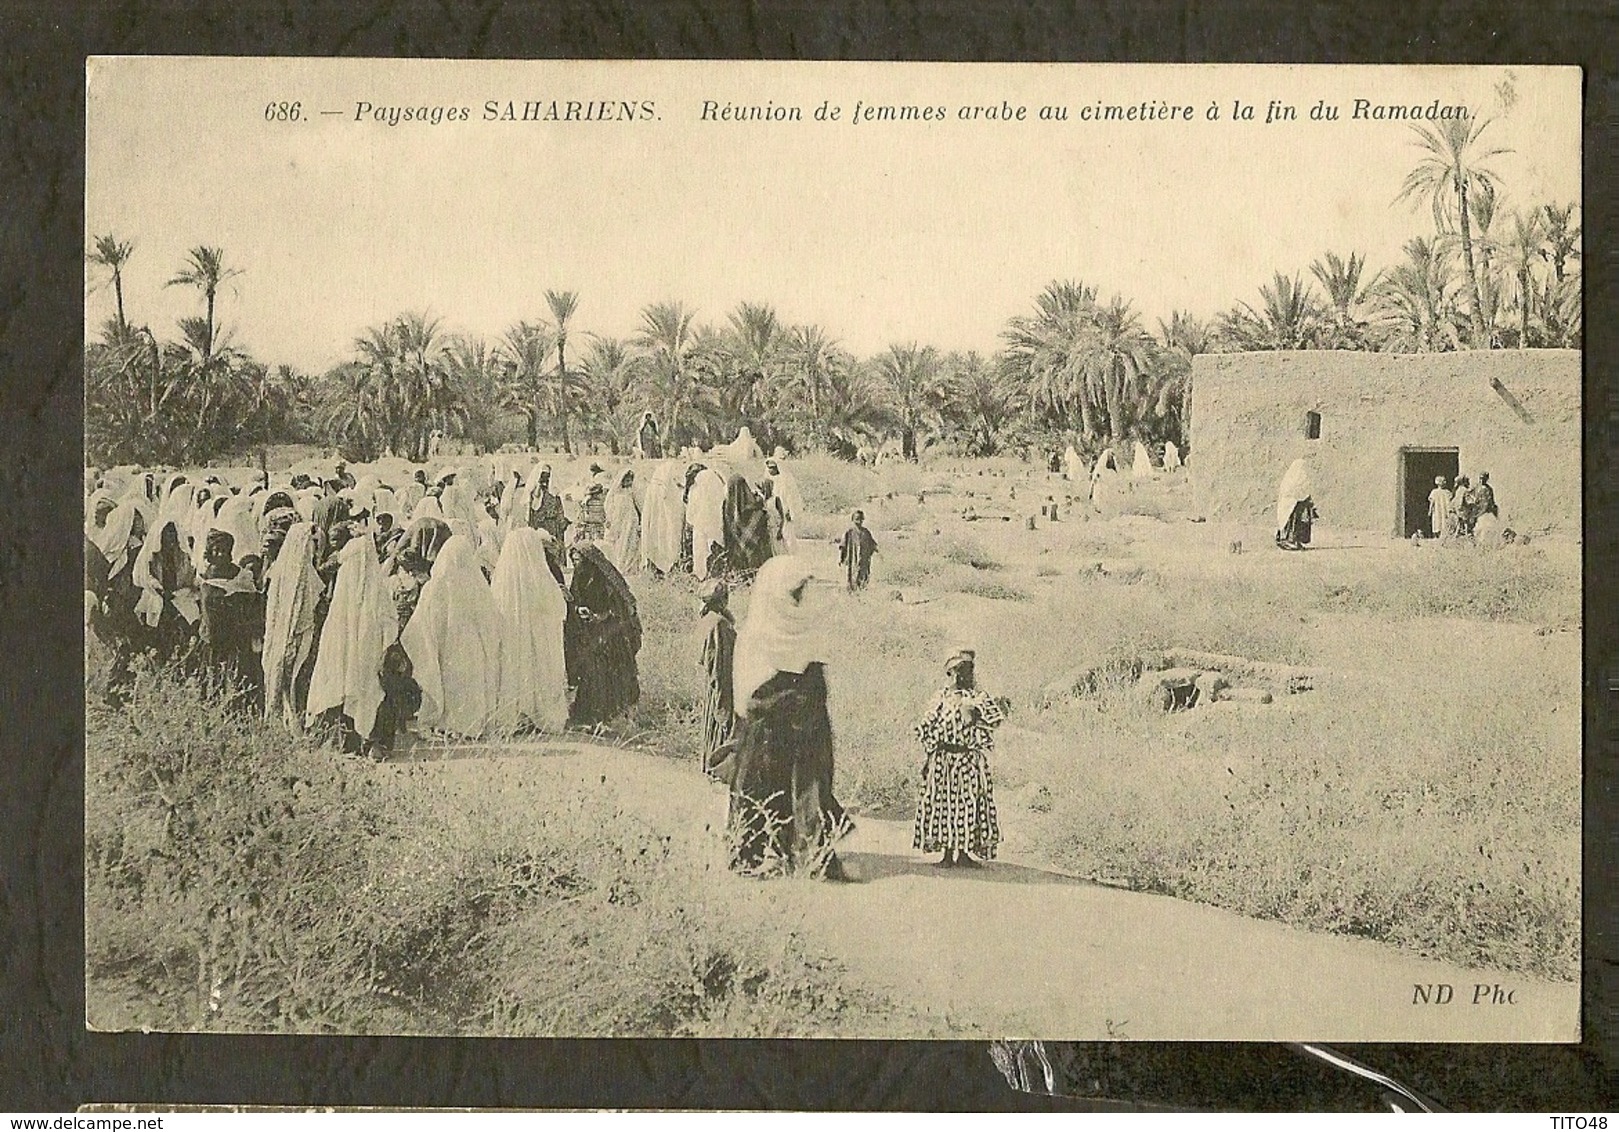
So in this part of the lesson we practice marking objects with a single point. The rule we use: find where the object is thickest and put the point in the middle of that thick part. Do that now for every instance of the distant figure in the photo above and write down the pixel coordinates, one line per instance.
(783, 812)
(1486, 496)
(1441, 517)
(1104, 472)
(1141, 467)
(790, 498)
(955, 808)
(592, 525)
(1464, 506)
(1172, 456)
(746, 521)
(1073, 466)
(740, 450)
(719, 651)
(855, 551)
(775, 517)
(1295, 510)
(646, 438)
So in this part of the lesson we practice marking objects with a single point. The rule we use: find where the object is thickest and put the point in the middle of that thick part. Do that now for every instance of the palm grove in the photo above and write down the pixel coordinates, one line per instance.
(1074, 368)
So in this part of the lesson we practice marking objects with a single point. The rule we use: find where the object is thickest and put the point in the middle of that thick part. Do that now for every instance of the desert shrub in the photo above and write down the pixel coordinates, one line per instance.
(239, 879)
(1509, 583)
(1456, 847)
(223, 864)
(962, 551)
(990, 589)
(834, 487)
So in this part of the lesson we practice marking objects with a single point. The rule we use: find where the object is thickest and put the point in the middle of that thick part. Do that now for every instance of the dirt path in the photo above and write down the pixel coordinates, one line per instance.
(1016, 949)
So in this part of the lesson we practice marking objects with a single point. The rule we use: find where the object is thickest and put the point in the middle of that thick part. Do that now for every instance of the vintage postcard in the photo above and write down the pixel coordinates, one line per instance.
(833, 549)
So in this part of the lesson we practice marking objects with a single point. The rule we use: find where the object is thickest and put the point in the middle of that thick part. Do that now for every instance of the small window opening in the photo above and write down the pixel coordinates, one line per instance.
(1312, 426)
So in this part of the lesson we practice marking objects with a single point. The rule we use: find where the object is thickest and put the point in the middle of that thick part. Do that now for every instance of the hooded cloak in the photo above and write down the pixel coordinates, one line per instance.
(360, 625)
(453, 641)
(533, 672)
(779, 633)
(289, 623)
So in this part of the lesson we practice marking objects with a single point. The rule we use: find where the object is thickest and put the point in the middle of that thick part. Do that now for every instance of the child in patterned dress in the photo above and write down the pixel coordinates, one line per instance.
(955, 809)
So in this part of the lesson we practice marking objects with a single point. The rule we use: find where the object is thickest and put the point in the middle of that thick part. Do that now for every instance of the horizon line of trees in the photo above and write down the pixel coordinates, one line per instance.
(1074, 369)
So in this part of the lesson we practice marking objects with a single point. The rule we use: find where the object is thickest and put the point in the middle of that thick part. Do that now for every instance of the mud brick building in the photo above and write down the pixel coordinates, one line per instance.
(1379, 427)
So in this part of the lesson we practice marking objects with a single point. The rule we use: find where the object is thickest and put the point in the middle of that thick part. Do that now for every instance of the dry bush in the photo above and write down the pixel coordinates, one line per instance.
(1509, 583)
(238, 879)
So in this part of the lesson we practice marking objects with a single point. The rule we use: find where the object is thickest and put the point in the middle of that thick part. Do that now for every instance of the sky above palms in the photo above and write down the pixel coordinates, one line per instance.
(882, 232)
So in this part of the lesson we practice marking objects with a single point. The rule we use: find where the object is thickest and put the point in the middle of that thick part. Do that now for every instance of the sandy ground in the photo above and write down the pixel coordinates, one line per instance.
(1019, 949)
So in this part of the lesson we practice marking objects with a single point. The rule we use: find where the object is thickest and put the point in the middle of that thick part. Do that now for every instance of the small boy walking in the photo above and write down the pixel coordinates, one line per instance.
(856, 550)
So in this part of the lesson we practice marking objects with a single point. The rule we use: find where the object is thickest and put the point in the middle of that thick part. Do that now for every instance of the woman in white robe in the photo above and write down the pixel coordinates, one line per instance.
(533, 670)
(792, 501)
(289, 623)
(453, 641)
(622, 539)
(1295, 509)
(705, 511)
(360, 625)
(1172, 456)
(663, 518)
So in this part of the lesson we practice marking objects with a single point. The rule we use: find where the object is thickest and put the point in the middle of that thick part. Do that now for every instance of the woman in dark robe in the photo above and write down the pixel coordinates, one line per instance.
(783, 812)
(600, 639)
(170, 581)
(277, 515)
(719, 650)
(747, 527)
(411, 564)
(232, 617)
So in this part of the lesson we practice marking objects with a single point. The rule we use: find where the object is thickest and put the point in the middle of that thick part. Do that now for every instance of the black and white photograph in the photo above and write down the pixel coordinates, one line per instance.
(863, 550)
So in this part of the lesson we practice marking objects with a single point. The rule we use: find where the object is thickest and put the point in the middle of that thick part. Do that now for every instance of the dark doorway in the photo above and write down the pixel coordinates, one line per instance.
(1418, 467)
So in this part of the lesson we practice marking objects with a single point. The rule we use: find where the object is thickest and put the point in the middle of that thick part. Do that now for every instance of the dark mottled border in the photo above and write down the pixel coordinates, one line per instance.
(48, 1061)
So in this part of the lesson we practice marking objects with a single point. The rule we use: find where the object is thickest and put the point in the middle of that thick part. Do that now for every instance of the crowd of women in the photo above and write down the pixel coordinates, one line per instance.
(491, 609)
(473, 603)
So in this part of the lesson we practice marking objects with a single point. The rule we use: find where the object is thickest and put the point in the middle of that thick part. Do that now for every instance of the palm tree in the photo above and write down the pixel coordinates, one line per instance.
(980, 402)
(610, 376)
(1524, 247)
(205, 270)
(753, 343)
(1046, 354)
(475, 372)
(562, 304)
(1290, 318)
(1562, 236)
(1187, 333)
(1340, 278)
(112, 254)
(1118, 362)
(910, 377)
(404, 361)
(1453, 172)
(526, 348)
(811, 356)
(1416, 300)
(667, 340)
